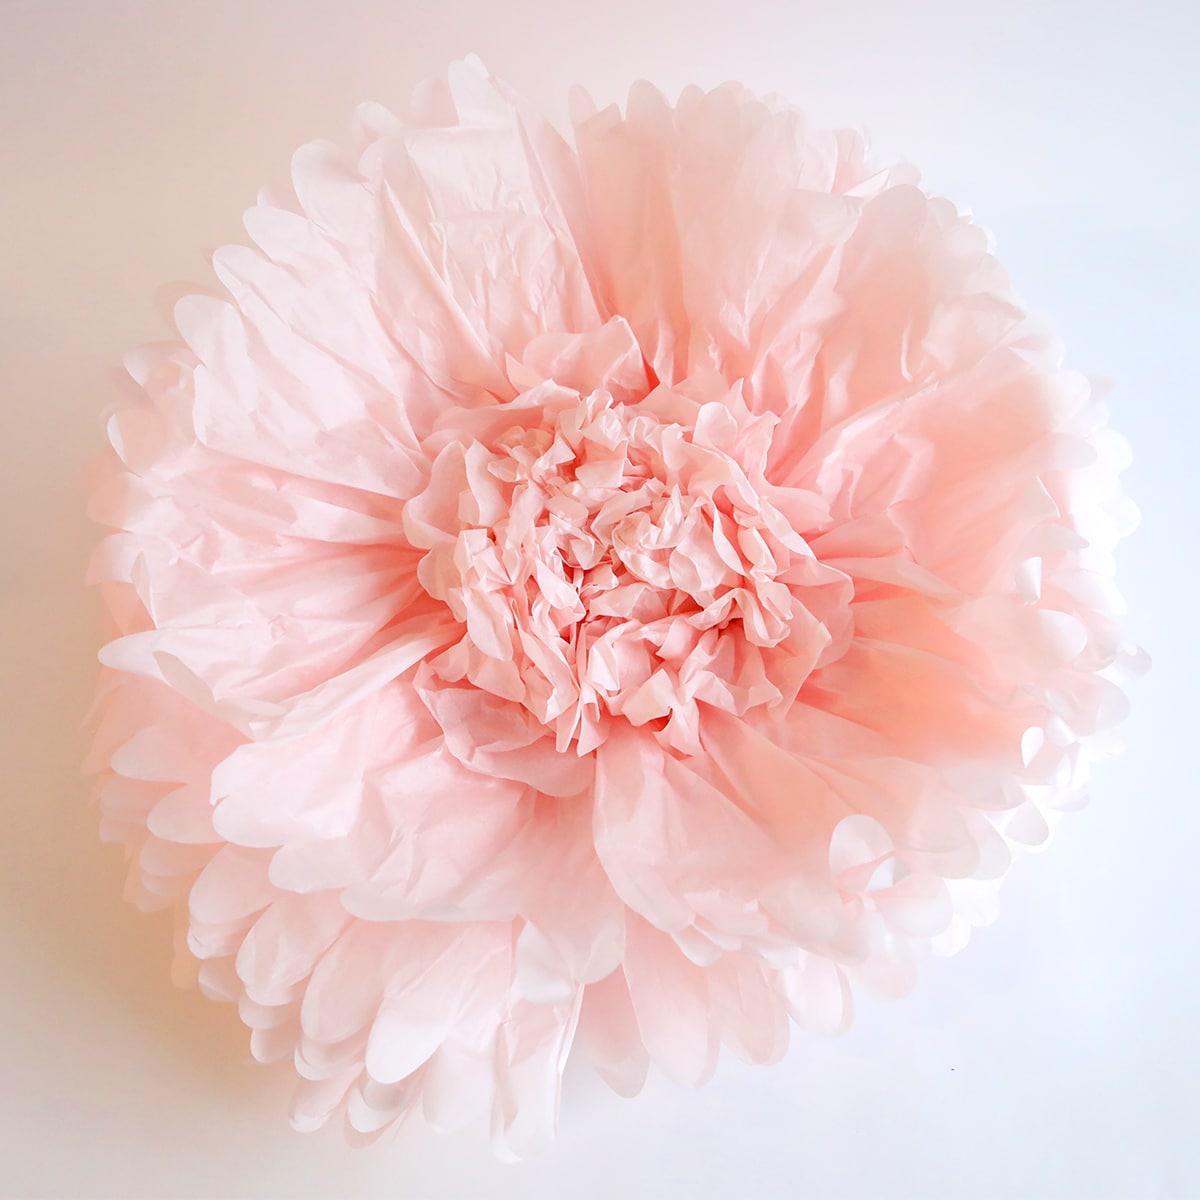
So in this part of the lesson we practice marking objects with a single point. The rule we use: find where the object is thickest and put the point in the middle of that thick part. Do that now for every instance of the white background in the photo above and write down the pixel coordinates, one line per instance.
(1056, 1056)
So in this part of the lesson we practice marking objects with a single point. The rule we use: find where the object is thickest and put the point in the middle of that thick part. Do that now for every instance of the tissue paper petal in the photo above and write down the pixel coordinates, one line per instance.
(645, 586)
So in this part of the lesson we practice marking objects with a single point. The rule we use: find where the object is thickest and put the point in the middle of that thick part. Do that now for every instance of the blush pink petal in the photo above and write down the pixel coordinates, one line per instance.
(644, 588)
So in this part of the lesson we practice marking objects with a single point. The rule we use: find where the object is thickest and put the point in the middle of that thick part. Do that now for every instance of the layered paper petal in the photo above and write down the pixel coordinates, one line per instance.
(644, 586)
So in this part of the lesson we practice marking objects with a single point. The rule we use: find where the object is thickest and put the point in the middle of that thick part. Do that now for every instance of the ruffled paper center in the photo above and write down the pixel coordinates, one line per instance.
(620, 559)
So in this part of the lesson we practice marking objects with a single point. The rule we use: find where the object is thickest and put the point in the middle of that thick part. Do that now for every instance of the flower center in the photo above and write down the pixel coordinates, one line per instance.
(617, 561)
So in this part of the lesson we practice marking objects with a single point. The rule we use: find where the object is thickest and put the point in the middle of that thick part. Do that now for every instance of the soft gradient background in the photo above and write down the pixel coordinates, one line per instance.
(1057, 1056)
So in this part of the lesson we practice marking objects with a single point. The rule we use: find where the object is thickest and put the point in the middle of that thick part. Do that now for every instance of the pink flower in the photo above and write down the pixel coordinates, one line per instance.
(636, 590)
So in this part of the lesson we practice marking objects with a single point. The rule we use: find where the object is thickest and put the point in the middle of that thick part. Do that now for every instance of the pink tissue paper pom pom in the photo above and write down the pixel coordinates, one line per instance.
(630, 593)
